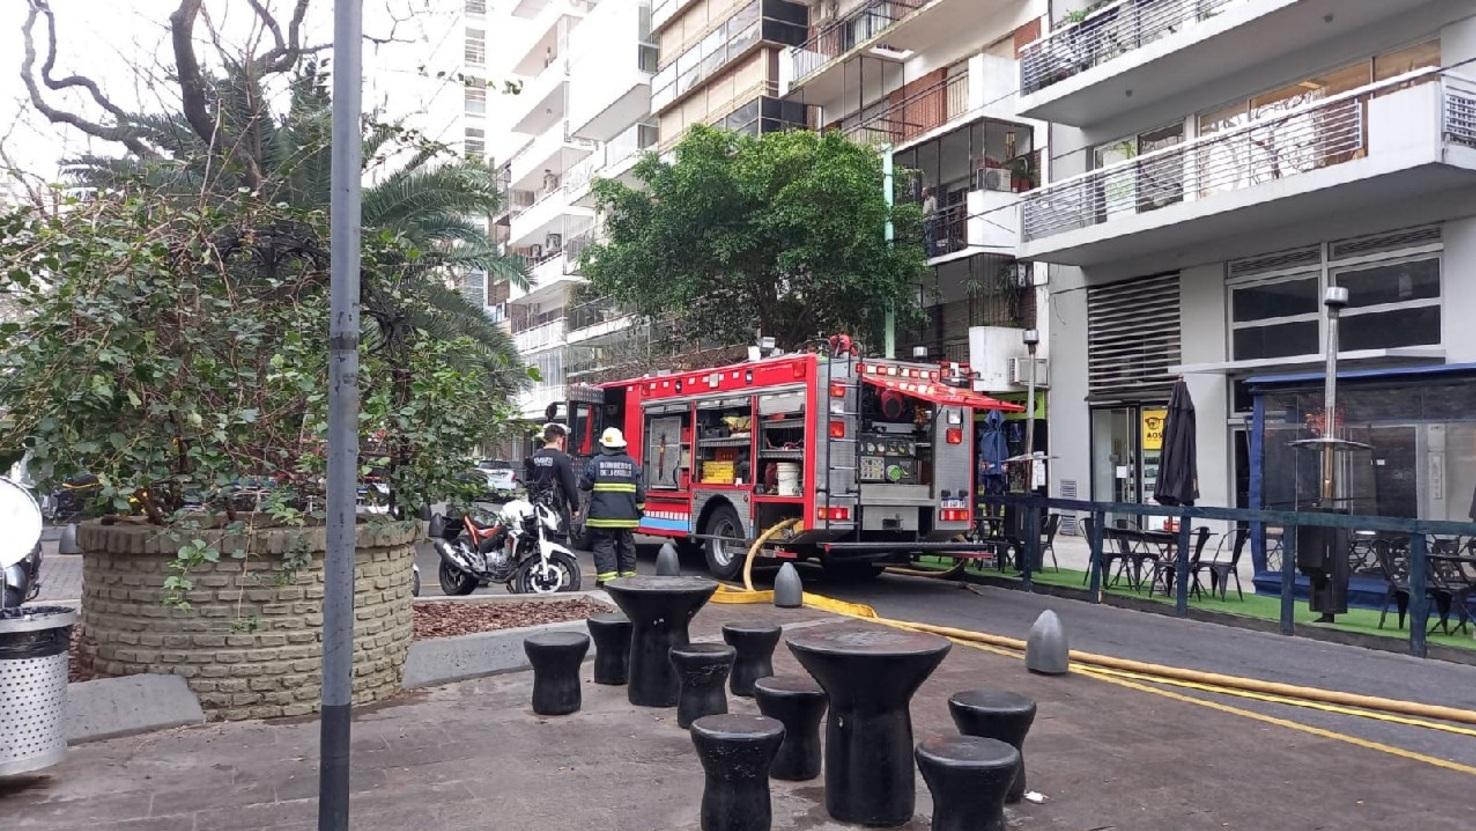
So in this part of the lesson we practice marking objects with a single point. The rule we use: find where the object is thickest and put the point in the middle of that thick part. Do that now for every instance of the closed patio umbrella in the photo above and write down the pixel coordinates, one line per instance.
(1178, 466)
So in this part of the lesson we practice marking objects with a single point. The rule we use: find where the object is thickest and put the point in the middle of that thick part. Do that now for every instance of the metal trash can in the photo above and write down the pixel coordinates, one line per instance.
(34, 644)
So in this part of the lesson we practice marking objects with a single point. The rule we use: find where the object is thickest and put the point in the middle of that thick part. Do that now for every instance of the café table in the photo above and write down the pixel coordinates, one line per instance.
(870, 675)
(659, 608)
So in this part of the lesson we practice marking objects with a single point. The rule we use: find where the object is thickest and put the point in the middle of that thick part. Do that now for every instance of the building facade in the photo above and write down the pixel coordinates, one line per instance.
(1214, 167)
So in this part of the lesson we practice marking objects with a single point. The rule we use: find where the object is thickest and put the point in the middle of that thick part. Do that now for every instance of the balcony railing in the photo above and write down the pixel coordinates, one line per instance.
(1113, 30)
(846, 33)
(947, 231)
(542, 336)
(595, 312)
(924, 110)
(1309, 137)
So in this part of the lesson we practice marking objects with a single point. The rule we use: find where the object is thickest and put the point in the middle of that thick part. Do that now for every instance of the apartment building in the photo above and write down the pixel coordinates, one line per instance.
(1215, 166)
(934, 84)
(582, 111)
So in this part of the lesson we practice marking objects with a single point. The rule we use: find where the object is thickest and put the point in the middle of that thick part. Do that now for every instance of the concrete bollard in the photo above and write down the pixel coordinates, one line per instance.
(789, 592)
(68, 542)
(1047, 651)
(667, 562)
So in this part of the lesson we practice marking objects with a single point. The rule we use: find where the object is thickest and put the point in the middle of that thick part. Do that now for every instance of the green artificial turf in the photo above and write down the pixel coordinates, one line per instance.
(1359, 620)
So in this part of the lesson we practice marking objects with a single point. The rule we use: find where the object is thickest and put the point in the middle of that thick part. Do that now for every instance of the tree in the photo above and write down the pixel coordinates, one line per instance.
(783, 233)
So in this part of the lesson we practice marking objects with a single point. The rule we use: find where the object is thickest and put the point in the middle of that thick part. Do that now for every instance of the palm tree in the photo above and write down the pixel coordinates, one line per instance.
(425, 200)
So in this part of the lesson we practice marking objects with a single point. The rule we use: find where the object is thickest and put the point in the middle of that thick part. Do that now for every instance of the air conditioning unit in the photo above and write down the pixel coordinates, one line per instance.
(995, 179)
(1020, 372)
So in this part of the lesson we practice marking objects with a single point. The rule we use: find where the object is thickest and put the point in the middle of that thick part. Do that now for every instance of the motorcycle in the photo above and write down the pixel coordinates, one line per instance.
(20, 545)
(515, 550)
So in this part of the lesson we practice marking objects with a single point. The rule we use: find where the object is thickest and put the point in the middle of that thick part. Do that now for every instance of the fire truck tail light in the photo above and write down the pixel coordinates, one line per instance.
(837, 429)
(955, 435)
(836, 514)
(954, 515)
(837, 390)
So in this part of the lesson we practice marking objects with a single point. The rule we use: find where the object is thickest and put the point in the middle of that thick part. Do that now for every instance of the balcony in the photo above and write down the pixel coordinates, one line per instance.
(894, 30)
(613, 161)
(540, 104)
(662, 11)
(1401, 147)
(541, 336)
(551, 152)
(988, 218)
(897, 123)
(550, 215)
(735, 38)
(609, 71)
(1152, 50)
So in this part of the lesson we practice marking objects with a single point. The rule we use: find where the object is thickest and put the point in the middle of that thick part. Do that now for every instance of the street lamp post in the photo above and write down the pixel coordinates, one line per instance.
(343, 418)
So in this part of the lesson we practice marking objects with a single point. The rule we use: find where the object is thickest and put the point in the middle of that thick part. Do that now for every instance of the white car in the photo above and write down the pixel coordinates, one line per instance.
(502, 482)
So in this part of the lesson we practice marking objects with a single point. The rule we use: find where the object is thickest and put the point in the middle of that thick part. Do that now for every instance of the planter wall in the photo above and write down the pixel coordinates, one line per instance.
(247, 654)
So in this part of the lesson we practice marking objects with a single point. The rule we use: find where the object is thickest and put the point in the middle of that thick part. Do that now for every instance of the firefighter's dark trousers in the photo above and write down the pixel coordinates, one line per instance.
(614, 553)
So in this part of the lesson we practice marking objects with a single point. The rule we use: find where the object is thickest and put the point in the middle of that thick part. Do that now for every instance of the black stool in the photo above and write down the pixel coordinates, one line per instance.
(995, 714)
(736, 752)
(556, 657)
(969, 778)
(797, 703)
(701, 669)
(755, 658)
(611, 633)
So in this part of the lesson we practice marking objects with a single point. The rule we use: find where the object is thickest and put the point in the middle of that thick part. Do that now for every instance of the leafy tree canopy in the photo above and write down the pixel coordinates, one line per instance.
(781, 233)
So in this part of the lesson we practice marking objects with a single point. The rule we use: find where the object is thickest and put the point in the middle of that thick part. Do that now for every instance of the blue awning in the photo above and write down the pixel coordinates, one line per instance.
(1390, 372)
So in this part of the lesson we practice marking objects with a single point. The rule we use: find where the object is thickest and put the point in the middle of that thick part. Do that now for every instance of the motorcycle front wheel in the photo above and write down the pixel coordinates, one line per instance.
(562, 575)
(455, 582)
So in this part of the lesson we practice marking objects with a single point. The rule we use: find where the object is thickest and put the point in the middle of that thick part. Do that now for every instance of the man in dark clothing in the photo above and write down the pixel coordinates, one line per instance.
(549, 473)
(618, 498)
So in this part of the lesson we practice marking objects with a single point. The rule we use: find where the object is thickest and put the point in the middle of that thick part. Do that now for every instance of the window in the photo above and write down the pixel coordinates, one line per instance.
(476, 97)
(476, 46)
(476, 6)
(1391, 304)
(1393, 283)
(476, 142)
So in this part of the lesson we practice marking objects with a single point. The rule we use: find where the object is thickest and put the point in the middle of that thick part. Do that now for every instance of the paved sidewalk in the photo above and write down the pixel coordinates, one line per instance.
(471, 756)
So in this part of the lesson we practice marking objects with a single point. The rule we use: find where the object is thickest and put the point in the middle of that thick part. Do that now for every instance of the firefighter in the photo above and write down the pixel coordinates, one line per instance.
(615, 509)
(549, 473)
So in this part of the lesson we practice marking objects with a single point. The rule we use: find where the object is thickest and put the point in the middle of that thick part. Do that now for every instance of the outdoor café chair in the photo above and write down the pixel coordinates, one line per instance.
(1164, 567)
(1396, 581)
(1112, 552)
(1220, 571)
(1450, 588)
(1052, 525)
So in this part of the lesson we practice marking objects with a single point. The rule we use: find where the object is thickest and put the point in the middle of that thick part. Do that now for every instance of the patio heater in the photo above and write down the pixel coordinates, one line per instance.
(1032, 340)
(1322, 553)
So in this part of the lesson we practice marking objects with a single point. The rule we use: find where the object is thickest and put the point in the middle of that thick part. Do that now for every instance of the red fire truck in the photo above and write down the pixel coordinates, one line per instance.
(873, 458)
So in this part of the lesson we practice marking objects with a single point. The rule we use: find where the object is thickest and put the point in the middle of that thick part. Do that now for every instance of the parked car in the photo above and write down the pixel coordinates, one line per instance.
(502, 478)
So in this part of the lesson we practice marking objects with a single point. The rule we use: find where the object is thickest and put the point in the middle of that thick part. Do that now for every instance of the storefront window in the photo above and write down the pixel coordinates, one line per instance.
(1421, 432)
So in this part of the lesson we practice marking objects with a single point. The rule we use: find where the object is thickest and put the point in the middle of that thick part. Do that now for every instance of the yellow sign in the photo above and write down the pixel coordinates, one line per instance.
(1153, 422)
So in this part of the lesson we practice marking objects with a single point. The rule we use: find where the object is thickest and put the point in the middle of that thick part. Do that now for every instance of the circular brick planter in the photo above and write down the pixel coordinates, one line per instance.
(250, 646)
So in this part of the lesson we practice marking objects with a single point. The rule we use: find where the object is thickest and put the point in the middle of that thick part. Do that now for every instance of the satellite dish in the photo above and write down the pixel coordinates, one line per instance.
(20, 523)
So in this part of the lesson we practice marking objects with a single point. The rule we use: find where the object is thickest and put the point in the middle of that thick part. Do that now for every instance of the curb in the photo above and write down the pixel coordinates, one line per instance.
(444, 660)
(1309, 632)
(592, 594)
(106, 708)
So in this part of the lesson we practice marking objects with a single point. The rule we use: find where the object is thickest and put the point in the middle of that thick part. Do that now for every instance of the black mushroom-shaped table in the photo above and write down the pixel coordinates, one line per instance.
(870, 674)
(659, 609)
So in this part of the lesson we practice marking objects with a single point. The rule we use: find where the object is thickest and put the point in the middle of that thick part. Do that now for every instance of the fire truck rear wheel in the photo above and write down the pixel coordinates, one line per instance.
(724, 559)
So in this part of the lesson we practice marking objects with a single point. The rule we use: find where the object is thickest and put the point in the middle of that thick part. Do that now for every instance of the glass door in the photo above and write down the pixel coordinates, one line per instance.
(1115, 463)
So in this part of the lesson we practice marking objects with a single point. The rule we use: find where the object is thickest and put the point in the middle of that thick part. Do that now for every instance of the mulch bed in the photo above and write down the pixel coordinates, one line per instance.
(444, 620)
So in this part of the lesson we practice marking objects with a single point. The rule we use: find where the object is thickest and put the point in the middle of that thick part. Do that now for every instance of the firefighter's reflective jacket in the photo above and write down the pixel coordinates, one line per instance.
(618, 494)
